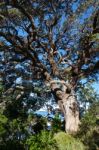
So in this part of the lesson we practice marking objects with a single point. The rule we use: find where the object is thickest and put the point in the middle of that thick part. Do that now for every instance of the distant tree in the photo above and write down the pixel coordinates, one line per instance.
(53, 41)
(89, 127)
(87, 96)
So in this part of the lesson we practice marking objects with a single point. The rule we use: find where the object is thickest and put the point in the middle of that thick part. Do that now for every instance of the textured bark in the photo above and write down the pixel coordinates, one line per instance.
(71, 113)
(68, 105)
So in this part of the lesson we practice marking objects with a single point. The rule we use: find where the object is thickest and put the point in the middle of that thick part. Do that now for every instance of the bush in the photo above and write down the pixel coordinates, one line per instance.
(67, 142)
(42, 141)
(12, 145)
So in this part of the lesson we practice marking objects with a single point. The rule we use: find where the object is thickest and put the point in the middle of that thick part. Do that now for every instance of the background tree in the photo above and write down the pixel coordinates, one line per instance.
(89, 128)
(87, 97)
(55, 39)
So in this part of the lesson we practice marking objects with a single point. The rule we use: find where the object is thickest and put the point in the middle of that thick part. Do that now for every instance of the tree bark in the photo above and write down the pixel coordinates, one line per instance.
(67, 102)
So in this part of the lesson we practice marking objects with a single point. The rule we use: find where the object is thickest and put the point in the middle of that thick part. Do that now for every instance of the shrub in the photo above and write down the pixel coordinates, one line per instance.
(12, 145)
(67, 142)
(42, 141)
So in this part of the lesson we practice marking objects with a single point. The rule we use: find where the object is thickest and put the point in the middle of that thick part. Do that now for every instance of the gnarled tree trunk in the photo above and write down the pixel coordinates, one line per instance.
(67, 102)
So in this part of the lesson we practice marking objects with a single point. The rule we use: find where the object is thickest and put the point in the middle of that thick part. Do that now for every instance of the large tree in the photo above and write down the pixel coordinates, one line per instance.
(58, 39)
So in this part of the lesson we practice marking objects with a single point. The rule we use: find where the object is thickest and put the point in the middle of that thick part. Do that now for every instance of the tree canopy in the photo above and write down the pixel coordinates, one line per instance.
(55, 35)
(53, 43)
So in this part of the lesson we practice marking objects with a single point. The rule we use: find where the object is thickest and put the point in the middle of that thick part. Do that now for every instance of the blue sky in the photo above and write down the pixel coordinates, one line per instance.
(96, 87)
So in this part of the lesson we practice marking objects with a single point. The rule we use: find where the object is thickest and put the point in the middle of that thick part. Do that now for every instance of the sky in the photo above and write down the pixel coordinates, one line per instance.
(96, 87)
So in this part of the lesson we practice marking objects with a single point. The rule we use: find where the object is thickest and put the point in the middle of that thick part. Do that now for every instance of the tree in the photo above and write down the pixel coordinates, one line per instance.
(89, 127)
(87, 96)
(47, 35)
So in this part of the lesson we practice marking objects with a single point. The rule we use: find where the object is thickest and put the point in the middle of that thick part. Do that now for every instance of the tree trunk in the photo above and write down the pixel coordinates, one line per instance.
(67, 102)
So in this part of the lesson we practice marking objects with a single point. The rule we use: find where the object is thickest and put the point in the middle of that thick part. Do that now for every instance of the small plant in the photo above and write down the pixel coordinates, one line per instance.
(42, 141)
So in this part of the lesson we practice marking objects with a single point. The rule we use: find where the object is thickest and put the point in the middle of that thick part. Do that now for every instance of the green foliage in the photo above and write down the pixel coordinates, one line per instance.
(87, 94)
(12, 145)
(56, 123)
(42, 141)
(1, 89)
(89, 128)
(95, 37)
(67, 142)
(3, 124)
